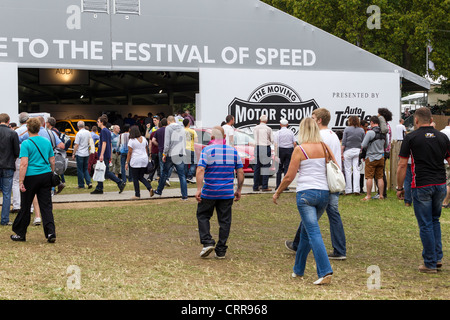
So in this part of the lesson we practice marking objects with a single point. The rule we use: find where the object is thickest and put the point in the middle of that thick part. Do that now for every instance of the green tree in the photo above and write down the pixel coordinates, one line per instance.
(407, 28)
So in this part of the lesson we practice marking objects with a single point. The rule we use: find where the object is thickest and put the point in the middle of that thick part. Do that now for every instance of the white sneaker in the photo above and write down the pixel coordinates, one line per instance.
(168, 183)
(324, 280)
(37, 221)
(206, 251)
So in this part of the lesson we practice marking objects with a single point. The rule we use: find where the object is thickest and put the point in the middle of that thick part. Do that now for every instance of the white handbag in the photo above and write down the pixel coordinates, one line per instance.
(99, 172)
(335, 177)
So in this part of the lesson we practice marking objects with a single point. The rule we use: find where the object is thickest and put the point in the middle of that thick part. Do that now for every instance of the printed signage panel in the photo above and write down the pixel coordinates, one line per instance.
(293, 95)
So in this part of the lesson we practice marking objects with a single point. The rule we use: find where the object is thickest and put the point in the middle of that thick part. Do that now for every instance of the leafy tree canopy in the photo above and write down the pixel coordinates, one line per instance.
(407, 28)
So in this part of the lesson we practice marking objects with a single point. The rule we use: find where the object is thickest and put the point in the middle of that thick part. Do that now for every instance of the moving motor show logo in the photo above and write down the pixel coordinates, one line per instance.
(275, 100)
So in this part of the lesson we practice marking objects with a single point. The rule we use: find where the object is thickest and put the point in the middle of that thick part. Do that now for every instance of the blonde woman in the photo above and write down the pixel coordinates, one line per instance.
(308, 159)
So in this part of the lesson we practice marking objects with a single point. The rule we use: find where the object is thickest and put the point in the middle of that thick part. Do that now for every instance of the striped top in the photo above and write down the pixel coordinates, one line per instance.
(220, 161)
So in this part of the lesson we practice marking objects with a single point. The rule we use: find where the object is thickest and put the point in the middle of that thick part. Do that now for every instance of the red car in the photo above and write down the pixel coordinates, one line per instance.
(244, 144)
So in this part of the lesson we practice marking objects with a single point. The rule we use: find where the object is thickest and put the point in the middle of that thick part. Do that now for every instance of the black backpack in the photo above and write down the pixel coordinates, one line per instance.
(378, 136)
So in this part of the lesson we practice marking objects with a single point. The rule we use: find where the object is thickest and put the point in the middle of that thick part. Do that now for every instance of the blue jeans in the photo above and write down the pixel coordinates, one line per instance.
(6, 178)
(336, 226)
(407, 185)
(123, 172)
(161, 168)
(167, 169)
(311, 205)
(82, 171)
(427, 202)
(191, 166)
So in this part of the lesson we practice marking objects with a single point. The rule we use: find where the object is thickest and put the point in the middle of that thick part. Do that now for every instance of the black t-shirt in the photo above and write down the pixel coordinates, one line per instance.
(428, 148)
(159, 136)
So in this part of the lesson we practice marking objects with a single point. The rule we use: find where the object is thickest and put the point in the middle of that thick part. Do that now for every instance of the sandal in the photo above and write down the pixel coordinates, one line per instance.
(366, 198)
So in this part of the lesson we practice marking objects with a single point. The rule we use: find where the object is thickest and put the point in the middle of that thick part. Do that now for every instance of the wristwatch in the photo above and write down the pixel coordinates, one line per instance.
(399, 189)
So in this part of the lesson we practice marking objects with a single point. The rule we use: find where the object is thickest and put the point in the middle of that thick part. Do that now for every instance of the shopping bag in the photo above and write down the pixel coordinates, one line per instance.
(99, 171)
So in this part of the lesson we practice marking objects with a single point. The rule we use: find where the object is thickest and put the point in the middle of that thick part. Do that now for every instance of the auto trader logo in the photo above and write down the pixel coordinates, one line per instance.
(275, 100)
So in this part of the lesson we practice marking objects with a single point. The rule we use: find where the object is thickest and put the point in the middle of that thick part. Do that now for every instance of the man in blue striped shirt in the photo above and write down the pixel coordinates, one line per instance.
(215, 189)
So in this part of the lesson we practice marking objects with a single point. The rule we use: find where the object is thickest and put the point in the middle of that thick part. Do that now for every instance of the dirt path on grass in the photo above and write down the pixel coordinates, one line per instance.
(101, 204)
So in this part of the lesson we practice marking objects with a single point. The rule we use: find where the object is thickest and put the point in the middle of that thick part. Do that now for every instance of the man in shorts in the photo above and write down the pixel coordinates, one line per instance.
(375, 143)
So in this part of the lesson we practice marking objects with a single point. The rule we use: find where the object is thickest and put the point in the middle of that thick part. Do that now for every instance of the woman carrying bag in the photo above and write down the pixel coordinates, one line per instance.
(37, 163)
(308, 159)
(137, 161)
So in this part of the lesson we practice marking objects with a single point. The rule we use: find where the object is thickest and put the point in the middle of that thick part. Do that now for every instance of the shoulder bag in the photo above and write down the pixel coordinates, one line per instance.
(56, 180)
(335, 177)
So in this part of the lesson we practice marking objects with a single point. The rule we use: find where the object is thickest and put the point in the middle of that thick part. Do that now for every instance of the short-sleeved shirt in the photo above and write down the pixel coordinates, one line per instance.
(284, 138)
(94, 136)
(190, 138)
(220, 161)
(139, 156)
(82, 140)
(375, 147)
(36, 164)
(105, 136)
(428, 148)
(229, 132)
(115, 141)
(331, 139)
(123, 142)
(400, 131)
(153, 148)
(159, 136)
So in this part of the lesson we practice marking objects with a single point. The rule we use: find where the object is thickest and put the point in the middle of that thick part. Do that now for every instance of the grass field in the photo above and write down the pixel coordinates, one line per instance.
(150, 250)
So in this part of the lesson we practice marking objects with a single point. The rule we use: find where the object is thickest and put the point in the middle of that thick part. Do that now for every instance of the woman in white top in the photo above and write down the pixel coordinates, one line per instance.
(137, 161)
(308, 159)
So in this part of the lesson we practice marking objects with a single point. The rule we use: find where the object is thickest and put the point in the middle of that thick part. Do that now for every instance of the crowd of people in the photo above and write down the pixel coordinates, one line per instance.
(168, 143)
(27, 161)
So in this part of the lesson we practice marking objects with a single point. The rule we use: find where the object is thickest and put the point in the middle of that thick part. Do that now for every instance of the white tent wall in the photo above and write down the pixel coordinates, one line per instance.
(8, 90)
(182, 35)
(175, 35)
(246, 94)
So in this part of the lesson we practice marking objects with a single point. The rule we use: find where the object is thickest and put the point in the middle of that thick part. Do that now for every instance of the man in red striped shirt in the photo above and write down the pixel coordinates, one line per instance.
(215, 189)
(427, 148)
